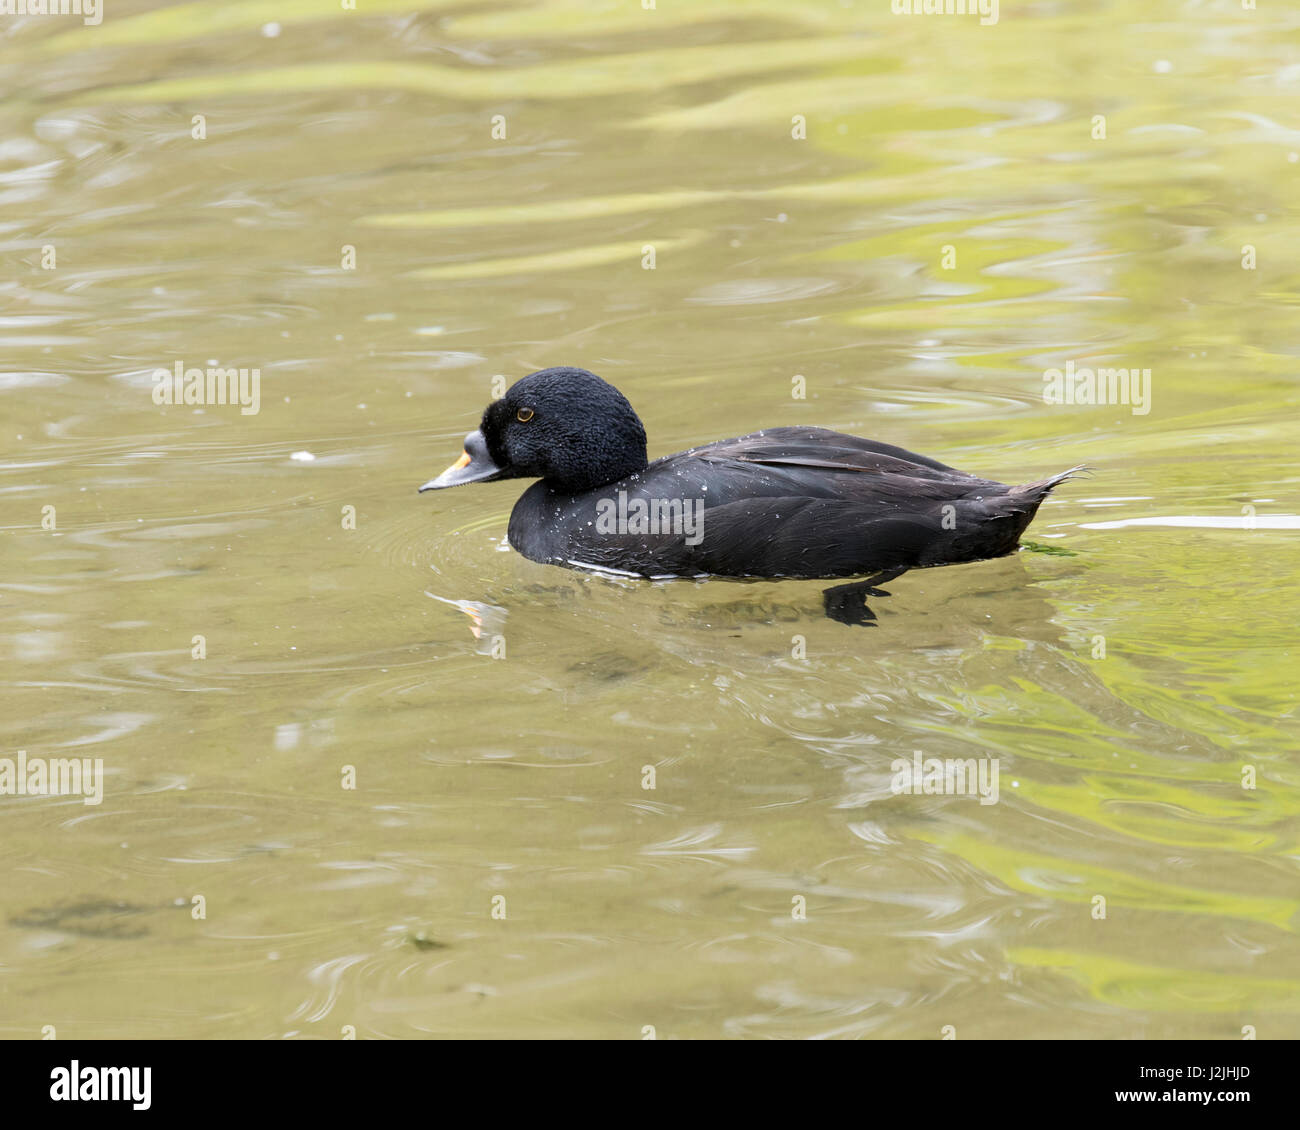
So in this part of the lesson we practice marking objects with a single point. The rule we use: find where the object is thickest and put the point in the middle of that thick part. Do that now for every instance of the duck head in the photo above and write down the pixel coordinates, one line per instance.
(566, 426)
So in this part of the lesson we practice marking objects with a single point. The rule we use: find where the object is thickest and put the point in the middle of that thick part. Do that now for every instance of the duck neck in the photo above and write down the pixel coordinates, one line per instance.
(606, 468)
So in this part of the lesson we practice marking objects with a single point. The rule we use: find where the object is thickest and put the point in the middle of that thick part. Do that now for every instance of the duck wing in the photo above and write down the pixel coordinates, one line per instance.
(826, 450)
(814, 502)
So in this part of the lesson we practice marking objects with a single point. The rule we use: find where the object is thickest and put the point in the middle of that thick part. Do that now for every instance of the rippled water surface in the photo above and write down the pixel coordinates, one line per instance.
(951, 226)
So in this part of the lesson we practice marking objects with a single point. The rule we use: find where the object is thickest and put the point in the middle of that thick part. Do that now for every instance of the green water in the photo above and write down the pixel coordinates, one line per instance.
(499, 715)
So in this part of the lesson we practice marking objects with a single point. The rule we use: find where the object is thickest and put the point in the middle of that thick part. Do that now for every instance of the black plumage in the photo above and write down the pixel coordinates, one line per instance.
(783, 502)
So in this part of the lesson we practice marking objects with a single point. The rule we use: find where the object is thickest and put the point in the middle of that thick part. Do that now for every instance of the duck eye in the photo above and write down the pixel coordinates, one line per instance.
(524, 415)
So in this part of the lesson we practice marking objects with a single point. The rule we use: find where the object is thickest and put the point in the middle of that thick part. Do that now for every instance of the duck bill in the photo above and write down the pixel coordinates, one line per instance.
(475, 465)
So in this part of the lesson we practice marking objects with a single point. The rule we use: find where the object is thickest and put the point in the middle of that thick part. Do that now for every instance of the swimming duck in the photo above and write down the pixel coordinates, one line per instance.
(782, 502)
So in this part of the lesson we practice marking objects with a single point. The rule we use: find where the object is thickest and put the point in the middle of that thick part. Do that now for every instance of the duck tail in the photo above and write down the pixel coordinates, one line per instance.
(1043, 487)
